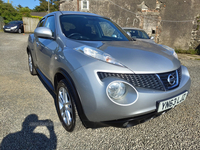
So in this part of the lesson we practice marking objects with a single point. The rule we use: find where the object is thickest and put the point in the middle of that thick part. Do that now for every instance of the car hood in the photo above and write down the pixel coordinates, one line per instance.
(147, 40)
(138, 56)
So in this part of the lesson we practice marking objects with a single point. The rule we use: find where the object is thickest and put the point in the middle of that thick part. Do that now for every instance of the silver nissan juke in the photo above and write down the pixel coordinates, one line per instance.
(102, 76)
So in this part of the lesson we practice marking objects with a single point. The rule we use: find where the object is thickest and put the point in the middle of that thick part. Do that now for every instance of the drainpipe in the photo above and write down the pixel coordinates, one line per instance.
(77, 5)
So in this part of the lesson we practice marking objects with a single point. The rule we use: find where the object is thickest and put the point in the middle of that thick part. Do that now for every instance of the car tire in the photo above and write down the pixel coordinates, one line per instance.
(66, 108)
(19, 31)
(31, 64)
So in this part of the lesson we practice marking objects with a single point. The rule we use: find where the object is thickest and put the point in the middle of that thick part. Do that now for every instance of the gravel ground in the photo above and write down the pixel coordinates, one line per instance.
(25, 100)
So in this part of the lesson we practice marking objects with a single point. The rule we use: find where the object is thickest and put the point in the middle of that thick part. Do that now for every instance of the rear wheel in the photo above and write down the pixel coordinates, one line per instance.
(66, 108)
(31, 65)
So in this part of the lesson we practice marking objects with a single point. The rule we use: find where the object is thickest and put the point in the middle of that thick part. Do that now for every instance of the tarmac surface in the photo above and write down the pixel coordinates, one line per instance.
(28, 118)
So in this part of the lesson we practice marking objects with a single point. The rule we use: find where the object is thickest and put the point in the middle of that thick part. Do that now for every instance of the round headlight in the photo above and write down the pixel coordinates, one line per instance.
(116, 90)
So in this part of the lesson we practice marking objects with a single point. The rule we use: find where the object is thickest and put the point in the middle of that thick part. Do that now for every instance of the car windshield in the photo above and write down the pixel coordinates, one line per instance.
(138, 34)
(91, 28)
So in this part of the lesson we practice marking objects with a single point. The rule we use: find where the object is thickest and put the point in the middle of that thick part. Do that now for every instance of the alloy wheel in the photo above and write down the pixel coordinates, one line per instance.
(19, 31)
(30, 63)
(65, 106)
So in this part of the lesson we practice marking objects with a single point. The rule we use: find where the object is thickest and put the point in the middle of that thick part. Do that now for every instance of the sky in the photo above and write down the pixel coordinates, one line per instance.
(30, 3)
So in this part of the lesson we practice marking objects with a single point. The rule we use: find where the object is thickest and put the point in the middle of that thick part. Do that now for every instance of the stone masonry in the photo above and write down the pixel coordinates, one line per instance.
(172, 22)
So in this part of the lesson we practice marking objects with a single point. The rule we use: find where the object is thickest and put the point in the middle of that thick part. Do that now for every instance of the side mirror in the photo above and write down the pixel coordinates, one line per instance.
(43, 32)
(152, 38)
(129, 33)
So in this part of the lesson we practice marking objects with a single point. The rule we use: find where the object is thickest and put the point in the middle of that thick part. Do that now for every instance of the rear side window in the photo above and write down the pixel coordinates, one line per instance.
(50, 23)
(41, 23)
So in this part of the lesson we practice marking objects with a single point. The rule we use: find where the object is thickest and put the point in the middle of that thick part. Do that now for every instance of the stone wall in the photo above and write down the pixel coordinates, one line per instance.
(195, 34)
(171, 22)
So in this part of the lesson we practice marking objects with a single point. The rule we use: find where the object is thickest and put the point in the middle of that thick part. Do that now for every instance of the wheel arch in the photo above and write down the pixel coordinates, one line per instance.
(62, 74)
(28, 49)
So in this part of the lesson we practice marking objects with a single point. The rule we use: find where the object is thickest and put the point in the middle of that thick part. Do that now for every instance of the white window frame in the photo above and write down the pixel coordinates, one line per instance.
(87, 5)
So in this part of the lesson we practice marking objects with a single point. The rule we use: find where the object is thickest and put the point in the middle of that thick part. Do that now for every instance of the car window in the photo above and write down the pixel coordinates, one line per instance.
(91, 28)
(140, 34)
(108, 30)
(50, 23)
(41, 23)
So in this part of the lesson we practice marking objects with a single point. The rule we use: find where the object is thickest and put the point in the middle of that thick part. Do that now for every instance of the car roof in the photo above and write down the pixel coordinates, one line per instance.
(74, 13)
(79, 13)
(132, 28)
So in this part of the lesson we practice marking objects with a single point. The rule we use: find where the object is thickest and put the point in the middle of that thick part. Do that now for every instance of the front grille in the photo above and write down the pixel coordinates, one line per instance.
(150, 81)
(164, 78)
(179, 74)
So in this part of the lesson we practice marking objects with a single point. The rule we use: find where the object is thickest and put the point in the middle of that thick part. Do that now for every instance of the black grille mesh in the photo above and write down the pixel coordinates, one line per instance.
(150, 81)
(179, 74)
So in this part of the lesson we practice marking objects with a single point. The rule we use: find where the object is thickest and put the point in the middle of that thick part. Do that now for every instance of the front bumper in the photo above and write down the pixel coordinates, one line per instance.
(128, 122)
(99, 108)
(11, 30)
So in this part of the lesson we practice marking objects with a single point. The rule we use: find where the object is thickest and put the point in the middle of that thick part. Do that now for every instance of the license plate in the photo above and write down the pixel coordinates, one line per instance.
(170, 103)
(7, 29)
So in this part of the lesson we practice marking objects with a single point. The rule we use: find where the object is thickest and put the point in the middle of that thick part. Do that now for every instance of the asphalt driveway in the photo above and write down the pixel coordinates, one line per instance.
(29, 120)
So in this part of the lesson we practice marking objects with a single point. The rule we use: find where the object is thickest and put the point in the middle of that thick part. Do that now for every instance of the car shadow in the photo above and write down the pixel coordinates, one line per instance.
(27, 139)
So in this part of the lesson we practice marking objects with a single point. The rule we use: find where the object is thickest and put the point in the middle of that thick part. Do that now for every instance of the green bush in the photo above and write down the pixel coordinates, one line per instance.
(39, 17)
(9, 13)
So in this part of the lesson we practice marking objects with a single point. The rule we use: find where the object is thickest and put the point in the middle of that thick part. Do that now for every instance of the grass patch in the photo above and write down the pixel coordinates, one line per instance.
(190, 51)
(197, 59)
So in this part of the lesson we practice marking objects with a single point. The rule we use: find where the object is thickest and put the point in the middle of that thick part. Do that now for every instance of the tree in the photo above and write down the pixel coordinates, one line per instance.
(19, 6)
(25, 12)
(43, 7)
(8, 12)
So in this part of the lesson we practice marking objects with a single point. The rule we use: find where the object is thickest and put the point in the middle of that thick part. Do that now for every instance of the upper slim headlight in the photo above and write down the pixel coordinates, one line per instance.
(14, 27)
(169, 49)
(98, 54)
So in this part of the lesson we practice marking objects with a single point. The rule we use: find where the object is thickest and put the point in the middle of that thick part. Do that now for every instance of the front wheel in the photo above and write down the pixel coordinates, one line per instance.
(31, 65)
(65, 106)
(20, 31)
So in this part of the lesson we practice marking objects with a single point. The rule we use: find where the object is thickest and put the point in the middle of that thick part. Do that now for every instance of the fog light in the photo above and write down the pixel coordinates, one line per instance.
(116, 90)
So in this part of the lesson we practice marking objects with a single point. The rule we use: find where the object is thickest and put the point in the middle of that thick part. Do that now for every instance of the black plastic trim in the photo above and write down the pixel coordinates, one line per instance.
(124, 123)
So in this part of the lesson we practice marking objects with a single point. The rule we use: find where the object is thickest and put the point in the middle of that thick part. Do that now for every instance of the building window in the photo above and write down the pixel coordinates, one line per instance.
(84, 5)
